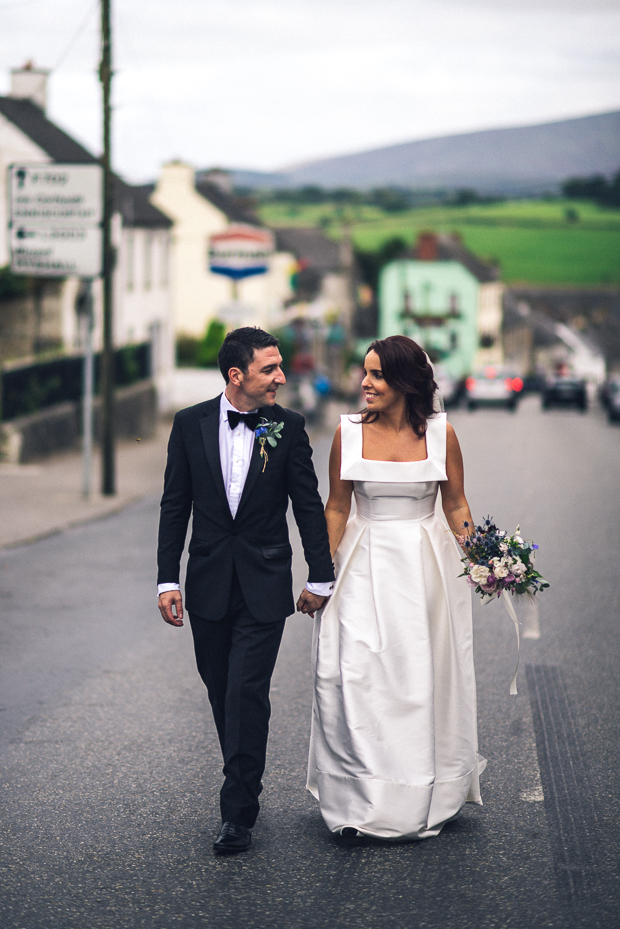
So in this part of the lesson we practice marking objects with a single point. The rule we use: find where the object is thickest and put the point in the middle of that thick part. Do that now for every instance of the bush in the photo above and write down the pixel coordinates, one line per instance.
(210, 344)
(201, 353)
(187, 351)
(13, 285)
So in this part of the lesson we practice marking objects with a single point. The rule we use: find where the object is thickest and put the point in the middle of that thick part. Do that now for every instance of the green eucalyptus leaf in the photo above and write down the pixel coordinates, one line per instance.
(271, 441)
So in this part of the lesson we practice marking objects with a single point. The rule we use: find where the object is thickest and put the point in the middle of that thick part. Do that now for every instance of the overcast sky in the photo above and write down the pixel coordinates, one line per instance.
(269, 83)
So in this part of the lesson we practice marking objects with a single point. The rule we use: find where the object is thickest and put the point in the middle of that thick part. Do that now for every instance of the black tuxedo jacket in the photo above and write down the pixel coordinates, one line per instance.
(256, 541)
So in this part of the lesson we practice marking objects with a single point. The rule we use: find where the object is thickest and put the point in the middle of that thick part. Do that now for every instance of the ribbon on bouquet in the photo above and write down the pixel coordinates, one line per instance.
(513, 616)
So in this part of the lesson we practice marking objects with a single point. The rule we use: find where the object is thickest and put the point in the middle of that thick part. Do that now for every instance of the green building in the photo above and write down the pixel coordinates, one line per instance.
(447, 300)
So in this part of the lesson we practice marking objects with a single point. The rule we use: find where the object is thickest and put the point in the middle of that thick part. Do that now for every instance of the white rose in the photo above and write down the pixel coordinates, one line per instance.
(501, 571)
(503, 547)
(518, 568)
(479, 574)
(519, 539)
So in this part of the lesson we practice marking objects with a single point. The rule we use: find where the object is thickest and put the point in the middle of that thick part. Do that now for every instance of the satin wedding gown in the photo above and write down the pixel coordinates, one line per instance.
(393, 750)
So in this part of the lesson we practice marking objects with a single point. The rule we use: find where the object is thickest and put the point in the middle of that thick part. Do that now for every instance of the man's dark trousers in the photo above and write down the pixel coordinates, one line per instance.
(236, 657)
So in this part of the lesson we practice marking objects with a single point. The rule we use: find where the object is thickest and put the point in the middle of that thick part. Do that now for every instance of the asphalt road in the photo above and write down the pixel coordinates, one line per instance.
(109, 763)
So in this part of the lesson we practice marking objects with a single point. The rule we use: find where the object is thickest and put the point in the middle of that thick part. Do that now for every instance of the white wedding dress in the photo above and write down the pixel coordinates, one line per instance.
(393, 750)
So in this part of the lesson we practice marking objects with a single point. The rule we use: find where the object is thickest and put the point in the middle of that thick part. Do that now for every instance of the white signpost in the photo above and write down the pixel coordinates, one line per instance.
(55, 217)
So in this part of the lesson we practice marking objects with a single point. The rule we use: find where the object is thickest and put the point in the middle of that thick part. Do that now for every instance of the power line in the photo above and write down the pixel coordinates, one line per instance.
(77, 35)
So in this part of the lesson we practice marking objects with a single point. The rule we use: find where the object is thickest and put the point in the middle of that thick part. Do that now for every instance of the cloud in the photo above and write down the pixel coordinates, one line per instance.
(262, 83)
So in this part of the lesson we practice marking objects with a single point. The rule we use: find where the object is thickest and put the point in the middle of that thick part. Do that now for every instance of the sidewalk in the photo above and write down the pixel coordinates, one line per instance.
(37, 500)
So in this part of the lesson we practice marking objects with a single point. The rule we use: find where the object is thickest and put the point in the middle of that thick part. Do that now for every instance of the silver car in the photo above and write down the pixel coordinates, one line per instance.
(493, 386)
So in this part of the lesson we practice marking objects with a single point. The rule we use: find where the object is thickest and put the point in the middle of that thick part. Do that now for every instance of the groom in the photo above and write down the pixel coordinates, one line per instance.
(238, 584)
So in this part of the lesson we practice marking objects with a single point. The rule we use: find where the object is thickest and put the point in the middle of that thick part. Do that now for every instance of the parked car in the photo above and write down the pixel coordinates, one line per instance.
(449, 387)
(533, 383)
(565, 390)
(610, 397)
(493, 386)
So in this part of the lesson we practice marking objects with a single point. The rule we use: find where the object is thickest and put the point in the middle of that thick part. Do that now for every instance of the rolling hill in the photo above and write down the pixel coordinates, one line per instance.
(524, 160)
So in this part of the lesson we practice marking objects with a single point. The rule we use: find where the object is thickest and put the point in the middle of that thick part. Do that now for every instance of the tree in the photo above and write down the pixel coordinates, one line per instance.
(596, 188)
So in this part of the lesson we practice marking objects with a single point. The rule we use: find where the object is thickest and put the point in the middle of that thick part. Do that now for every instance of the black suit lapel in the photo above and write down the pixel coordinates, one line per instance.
(210, 428)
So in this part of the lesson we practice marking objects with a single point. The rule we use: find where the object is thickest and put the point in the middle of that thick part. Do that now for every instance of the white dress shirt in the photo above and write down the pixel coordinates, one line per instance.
(236, 447)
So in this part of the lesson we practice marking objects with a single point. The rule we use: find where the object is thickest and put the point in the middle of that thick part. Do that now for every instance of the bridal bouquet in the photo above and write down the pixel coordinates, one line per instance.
(497, 563)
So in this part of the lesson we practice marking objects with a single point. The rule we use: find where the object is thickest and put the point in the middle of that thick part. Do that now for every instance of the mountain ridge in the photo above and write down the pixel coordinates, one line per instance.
(518, 160)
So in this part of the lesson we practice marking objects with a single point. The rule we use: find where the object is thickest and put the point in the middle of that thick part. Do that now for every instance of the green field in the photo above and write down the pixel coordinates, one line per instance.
(533, 240)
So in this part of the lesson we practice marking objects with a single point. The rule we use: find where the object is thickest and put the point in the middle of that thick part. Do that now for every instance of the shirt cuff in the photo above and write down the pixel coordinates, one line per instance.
(162, 588)
(320, 589)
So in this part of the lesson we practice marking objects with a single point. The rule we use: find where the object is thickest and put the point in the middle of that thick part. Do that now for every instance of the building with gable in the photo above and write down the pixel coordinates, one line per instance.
(305, 266)
(446, 299)
(141, 235)
(199, 206)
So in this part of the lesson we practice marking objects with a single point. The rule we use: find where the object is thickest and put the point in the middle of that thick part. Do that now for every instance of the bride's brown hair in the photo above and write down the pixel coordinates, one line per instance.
(406, 368)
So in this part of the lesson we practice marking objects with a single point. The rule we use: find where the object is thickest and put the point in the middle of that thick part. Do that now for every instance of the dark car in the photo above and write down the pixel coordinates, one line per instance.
(610, 397)
(565, 390)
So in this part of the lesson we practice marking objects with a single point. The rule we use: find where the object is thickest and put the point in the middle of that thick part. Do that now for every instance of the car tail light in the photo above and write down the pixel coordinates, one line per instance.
(470, 383)
(517, 384)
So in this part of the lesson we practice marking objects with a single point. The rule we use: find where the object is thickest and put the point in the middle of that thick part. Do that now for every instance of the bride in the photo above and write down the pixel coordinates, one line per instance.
(393, 751)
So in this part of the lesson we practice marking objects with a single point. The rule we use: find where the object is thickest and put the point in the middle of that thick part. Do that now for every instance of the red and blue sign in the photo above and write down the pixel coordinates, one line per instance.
(241, 251)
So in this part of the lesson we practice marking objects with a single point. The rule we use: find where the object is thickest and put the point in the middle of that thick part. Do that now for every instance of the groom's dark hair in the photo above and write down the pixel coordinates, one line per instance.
(239, 346)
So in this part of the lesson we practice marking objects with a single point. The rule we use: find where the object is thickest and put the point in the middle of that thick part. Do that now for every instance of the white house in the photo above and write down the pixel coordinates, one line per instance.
(200, 206)
(141, 233)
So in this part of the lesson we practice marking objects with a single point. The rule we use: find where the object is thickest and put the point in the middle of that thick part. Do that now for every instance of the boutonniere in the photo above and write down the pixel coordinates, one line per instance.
(267, 431)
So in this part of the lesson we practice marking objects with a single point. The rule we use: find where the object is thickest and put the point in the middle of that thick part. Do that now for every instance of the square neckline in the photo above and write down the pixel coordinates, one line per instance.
(354, 467)
(389, 460)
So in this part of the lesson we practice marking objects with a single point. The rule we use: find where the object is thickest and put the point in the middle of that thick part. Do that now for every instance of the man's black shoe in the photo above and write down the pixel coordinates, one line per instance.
(232, 838)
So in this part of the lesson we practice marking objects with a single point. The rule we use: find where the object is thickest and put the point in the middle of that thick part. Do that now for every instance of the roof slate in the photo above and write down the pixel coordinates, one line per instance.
(310, 245)
(233, 207)
(132, 202)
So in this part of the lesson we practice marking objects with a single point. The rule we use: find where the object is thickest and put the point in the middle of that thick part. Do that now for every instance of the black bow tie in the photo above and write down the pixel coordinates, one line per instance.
(251, 420)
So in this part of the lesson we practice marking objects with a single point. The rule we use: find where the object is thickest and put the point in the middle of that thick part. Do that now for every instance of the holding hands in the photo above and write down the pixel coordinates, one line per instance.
(309, 603)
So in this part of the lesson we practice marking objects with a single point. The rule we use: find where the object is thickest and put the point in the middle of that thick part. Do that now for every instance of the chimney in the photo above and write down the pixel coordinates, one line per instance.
(30, 83)
(426, 247)
(219, 177)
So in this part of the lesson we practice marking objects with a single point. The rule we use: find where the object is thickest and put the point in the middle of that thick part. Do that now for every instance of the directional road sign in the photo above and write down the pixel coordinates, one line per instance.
(55, 219)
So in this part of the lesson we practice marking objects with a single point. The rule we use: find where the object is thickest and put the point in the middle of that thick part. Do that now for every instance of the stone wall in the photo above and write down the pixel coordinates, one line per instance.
(59, 428)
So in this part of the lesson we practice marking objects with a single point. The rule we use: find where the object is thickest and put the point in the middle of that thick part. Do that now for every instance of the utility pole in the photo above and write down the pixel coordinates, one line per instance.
(108, 464)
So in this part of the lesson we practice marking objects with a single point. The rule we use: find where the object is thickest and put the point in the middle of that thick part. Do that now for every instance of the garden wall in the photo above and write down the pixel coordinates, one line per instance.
(59, 427)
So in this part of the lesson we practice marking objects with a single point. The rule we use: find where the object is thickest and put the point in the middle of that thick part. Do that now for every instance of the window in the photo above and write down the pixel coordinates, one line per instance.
(164, 258)
(148, 260)
(129, 261)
